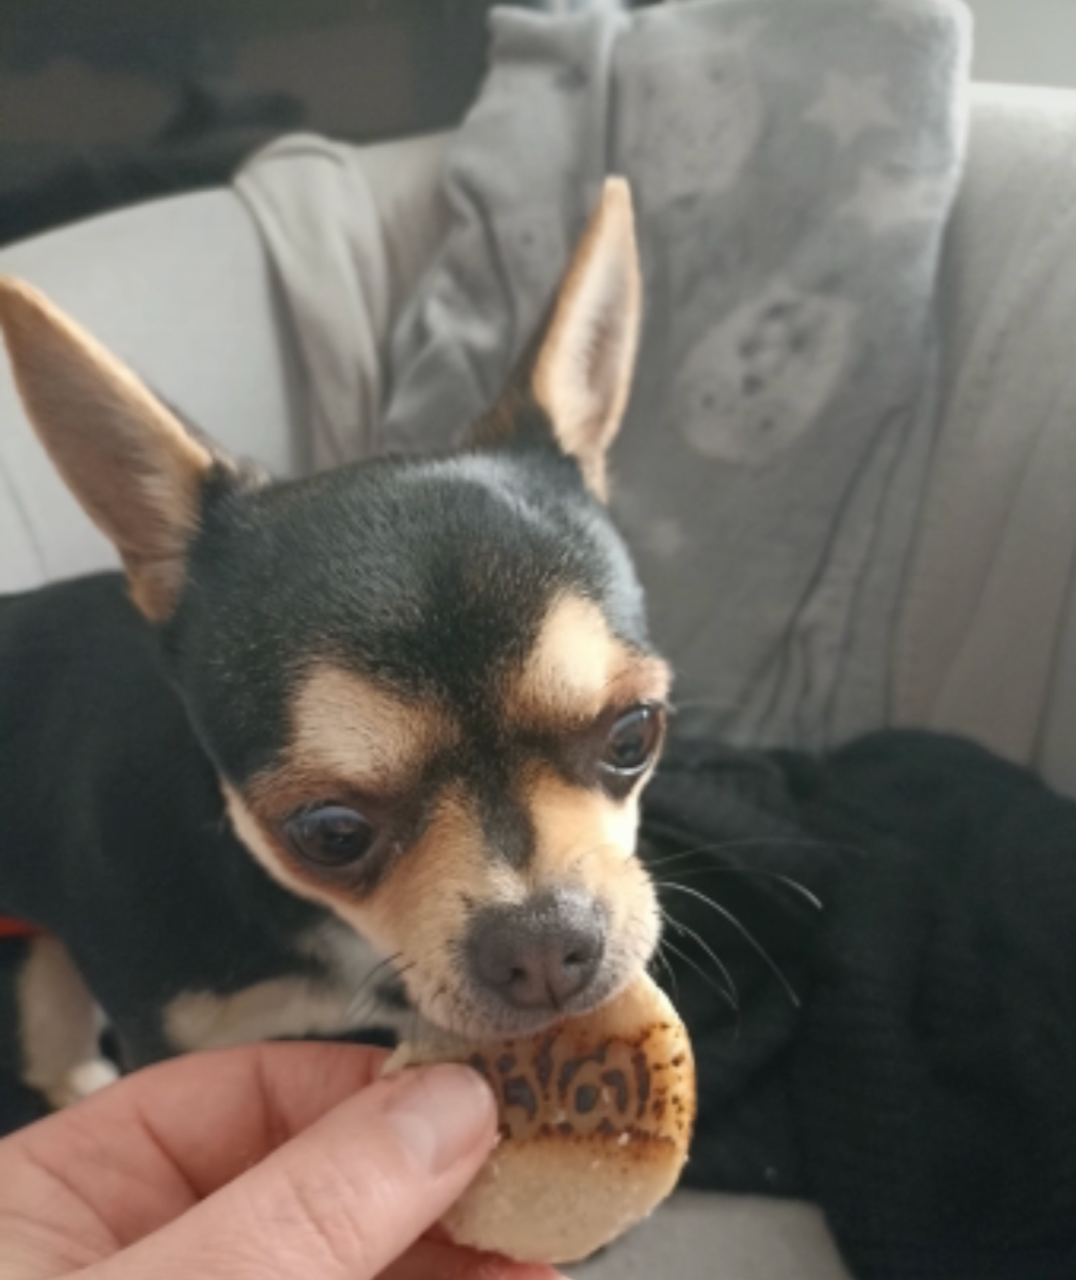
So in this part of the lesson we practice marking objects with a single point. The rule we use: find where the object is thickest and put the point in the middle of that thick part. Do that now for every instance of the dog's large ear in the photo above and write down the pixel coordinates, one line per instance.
(583, 370)
(580, 366)
(134, 468)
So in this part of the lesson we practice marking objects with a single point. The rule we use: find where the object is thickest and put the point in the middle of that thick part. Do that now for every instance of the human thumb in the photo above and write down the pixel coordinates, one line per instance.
(341, 1200)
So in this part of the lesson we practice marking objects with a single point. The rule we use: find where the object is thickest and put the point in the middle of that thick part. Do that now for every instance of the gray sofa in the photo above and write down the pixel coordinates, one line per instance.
(182, 289)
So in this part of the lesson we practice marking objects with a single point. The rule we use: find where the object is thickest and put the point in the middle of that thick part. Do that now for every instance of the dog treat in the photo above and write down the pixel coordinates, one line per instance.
(596, 1117)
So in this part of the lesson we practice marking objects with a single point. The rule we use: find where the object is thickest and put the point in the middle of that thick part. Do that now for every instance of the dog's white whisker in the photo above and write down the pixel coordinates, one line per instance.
(744, 932)
(734, 995)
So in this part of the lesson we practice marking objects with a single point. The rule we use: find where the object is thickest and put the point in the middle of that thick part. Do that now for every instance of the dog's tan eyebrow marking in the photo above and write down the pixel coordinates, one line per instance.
(578, 667)
(347, 727)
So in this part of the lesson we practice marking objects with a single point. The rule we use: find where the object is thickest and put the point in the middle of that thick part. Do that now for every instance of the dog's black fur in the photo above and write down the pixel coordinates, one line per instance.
(114, 833)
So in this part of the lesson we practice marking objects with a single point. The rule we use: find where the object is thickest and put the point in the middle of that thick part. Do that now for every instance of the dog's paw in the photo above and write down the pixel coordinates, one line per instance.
(80, 1082)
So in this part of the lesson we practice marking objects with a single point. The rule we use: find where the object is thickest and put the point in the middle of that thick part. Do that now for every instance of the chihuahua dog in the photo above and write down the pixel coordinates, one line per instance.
(341, 751)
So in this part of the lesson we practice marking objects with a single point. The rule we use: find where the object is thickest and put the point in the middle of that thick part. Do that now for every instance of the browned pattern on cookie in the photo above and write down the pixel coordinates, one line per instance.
(558, 1084)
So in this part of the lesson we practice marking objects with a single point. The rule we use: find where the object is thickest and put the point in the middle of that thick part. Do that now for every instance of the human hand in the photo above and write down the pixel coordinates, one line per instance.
(270, 1162)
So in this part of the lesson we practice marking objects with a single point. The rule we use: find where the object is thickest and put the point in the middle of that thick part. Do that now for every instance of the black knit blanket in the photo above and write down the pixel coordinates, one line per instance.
(875, 952)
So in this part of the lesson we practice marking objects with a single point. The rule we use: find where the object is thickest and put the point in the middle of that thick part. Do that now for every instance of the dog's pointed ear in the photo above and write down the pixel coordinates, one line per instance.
(136, 471)
(583, 369)
(578, 368)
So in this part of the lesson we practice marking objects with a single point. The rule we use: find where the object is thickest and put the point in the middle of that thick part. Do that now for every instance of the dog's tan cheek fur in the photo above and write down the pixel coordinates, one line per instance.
(251, 833)
(419, 913)
(426, 903)
(587, 840)
(577, 827)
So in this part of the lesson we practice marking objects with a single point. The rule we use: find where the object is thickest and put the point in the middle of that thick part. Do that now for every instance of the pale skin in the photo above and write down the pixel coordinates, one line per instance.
(272, 1162)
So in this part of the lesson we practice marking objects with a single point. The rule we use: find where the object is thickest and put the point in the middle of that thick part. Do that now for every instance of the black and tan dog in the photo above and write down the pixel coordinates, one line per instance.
(340, 750)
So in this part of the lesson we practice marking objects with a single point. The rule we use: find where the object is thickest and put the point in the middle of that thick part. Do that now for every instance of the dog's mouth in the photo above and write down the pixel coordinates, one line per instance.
(471, 1021)
(515, 968)
(463, 1011)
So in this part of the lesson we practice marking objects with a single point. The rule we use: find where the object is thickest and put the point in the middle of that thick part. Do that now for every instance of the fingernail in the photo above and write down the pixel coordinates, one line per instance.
(440, 1113)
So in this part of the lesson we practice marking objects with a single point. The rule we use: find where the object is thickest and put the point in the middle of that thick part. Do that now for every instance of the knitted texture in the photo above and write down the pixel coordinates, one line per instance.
(923, 1092)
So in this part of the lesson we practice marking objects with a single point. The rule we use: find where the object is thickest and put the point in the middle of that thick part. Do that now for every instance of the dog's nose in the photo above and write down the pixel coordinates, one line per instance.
(540, 954)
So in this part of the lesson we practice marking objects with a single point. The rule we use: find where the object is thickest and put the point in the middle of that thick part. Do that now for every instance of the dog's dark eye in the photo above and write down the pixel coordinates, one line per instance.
(632, 741)
(331, 836)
